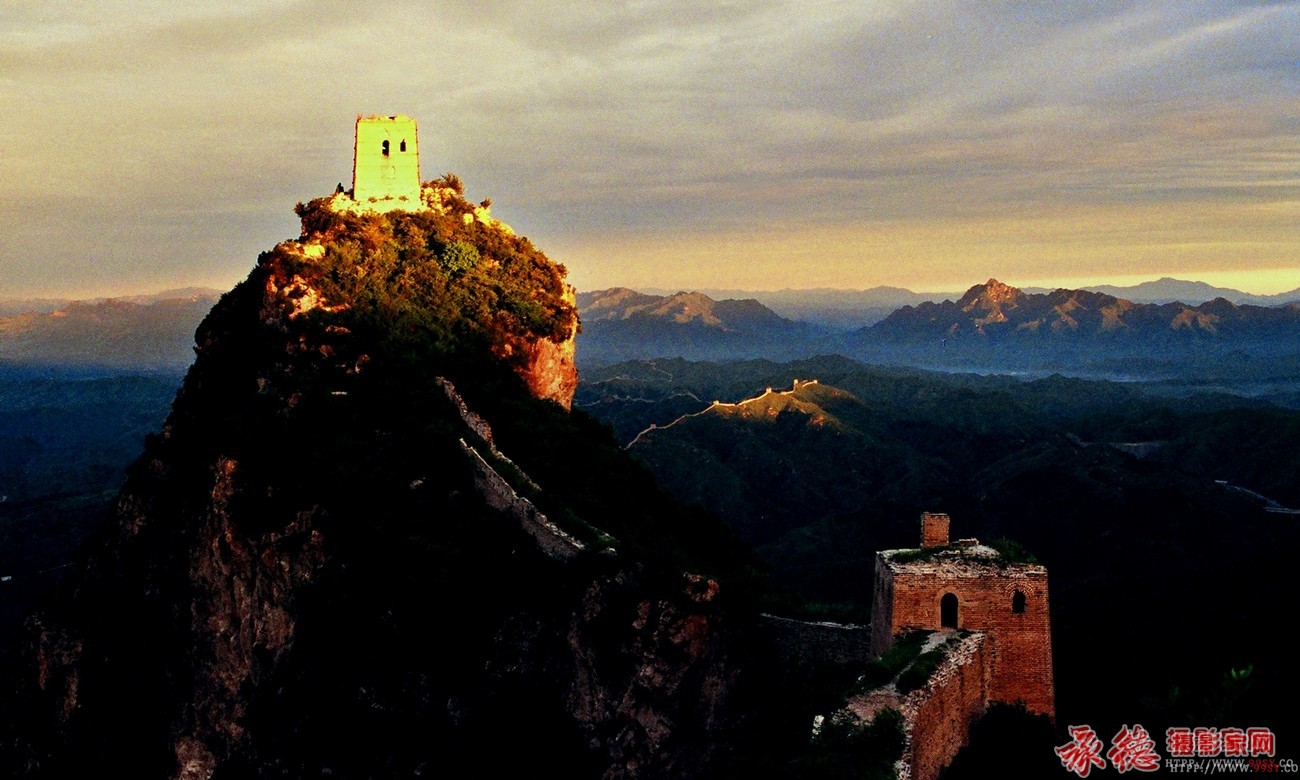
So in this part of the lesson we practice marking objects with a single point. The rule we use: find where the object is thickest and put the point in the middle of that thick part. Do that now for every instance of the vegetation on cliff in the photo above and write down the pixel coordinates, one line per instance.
(303, 577)
(433, 281)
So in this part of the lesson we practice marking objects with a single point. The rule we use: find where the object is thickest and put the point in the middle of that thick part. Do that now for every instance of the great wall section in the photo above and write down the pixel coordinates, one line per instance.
(982, 615)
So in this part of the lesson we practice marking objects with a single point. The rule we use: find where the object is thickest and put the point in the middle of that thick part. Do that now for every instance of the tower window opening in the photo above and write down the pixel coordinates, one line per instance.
(385, 146)
(402, 147)
(1018, 602)
(948, 611)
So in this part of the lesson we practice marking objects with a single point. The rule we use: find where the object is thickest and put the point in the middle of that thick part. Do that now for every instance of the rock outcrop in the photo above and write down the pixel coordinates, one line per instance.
(305, 574)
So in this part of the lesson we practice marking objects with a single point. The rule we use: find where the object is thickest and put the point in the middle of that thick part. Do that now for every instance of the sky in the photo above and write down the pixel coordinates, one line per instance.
(745, 145)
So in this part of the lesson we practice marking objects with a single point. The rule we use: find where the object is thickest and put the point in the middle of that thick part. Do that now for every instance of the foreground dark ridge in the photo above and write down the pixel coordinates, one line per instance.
(326, 563)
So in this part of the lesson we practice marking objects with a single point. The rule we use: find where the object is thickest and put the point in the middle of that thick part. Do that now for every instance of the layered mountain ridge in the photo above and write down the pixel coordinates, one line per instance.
(1128, 493)
(143, 332)
(620, 323)
(994, 310)
(621, 303)
(993, 326)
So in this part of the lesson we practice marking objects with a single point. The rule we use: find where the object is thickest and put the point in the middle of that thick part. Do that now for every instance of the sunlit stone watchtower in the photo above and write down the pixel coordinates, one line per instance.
(969, 586)
(386, 164)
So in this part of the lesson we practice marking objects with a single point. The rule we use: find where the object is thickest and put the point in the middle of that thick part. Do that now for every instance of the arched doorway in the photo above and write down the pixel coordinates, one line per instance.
(948, 611)
(1018, 602)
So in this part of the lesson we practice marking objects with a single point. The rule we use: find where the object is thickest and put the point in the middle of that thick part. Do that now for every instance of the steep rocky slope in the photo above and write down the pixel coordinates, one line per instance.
(371, 541)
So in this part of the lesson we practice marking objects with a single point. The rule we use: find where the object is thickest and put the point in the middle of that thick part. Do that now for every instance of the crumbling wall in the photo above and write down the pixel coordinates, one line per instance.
(938, 717)
(934, 530)
(909, 597)
(802, 642)
(882, 609)
(499, 495)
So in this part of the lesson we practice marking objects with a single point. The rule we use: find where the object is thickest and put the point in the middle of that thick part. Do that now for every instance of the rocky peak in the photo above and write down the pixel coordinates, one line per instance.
(990, 296)
(991, 302)
(614, 303)
(326, 564)
(688, 307)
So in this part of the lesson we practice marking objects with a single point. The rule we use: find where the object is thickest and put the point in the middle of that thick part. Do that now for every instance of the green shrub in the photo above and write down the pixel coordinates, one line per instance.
(452, 182)
(1012, 551)
(847, 750)
(921, 669)
(903, 652)
(458, 257)
(884, 737)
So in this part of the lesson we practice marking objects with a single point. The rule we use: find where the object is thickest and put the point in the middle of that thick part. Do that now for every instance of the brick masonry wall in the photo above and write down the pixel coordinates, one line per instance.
(934, 530)
(498, 494)
(941, 714)
(882, 598)
(1021, 643)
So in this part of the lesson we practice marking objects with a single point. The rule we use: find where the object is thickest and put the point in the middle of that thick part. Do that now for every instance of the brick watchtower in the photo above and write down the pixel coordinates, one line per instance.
(966, 585)
(386, 164)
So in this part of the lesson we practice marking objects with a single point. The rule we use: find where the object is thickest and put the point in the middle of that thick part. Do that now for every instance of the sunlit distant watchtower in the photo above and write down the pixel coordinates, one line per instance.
(386, 163)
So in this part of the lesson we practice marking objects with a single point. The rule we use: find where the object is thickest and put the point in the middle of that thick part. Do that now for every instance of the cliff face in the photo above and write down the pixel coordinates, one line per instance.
(548, 367)
(304, 574)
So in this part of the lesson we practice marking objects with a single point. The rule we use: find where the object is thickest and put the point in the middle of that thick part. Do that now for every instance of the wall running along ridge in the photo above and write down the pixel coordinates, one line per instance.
(938, 717)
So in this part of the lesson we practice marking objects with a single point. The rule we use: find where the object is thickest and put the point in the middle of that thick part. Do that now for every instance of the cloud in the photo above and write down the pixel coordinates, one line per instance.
(597, 123)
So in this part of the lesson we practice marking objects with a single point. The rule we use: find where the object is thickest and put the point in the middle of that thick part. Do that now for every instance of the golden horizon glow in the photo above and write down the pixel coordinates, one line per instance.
(1242, 246)
(749, 145)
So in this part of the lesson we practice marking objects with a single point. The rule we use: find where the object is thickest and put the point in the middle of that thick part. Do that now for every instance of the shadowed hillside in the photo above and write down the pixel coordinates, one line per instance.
(1147, 552)
(370, 540)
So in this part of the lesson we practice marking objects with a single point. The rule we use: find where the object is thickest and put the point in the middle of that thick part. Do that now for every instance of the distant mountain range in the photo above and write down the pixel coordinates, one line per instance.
(1169, 290)
(992, 324)
(11, 306)
(621, 324)
(150, 332)
(832, 308)
(994, 311)
(851, 309)
(683, 308)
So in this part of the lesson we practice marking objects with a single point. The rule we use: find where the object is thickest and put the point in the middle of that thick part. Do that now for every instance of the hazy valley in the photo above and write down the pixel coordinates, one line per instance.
(1213, 346)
